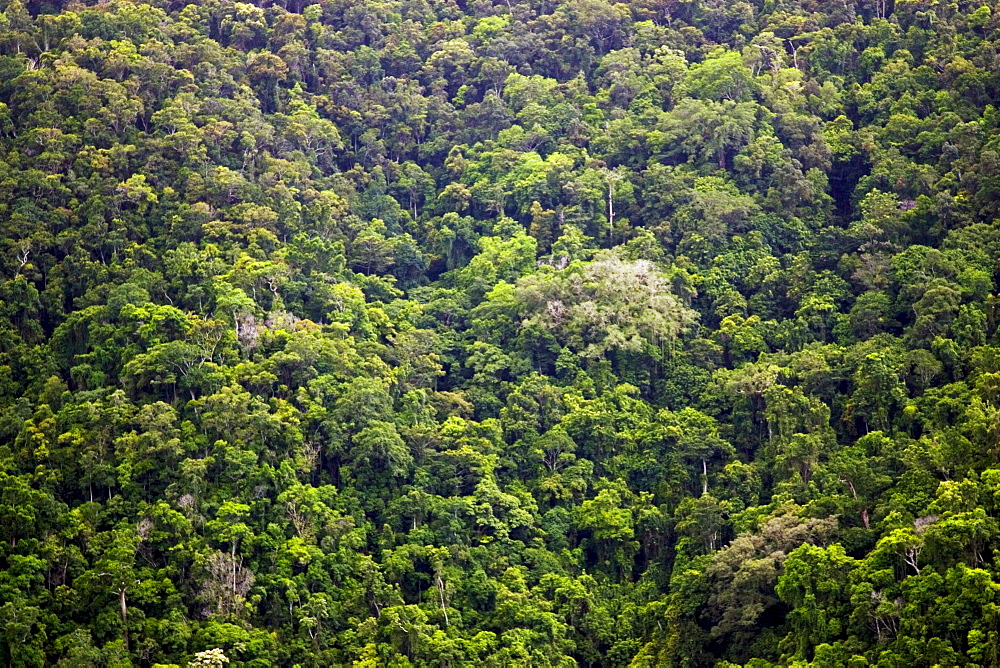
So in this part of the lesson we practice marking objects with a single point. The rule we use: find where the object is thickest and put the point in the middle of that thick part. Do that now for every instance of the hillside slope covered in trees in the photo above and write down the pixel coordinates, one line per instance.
(515, 333)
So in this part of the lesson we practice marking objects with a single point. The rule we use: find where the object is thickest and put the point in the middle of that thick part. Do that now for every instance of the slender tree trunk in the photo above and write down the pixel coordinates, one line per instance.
(611, 208)
(444, 609)
(121, 601)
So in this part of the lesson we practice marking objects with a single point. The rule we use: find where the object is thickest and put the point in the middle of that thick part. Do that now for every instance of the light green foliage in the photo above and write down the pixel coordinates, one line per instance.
(570, 333)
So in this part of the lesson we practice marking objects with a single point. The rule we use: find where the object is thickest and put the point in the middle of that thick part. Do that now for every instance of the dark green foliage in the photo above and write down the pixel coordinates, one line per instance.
(566, 333)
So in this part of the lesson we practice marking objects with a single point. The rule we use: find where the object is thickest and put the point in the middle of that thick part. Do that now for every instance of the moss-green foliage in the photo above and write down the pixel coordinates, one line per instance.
(563, 333)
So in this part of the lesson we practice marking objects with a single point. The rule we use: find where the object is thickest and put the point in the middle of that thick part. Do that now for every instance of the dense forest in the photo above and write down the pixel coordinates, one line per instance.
(499, 333)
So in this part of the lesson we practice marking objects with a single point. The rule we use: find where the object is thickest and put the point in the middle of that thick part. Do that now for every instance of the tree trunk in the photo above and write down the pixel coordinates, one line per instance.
(121, 600)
